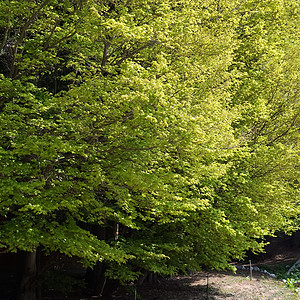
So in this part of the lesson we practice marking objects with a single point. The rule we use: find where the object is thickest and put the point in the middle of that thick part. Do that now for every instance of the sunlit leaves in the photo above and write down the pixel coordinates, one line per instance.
(175, 120)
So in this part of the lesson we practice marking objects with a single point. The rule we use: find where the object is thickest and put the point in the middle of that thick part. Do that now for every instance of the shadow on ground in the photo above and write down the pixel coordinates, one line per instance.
(185, 287)
(221, 285)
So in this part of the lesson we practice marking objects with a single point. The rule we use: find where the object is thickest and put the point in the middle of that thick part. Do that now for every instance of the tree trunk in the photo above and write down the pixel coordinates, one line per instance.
(100, 286)
(95, 278)
(28, 289)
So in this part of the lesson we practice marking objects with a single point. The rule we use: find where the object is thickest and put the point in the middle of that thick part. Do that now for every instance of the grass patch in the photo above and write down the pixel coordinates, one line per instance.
(292, 280)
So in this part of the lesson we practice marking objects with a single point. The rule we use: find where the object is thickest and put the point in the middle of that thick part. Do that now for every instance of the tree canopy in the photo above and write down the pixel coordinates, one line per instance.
(151, 135)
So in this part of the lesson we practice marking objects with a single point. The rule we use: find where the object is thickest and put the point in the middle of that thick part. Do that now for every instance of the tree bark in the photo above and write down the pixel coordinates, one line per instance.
(95, 278)
(28, 289)
(99, 285)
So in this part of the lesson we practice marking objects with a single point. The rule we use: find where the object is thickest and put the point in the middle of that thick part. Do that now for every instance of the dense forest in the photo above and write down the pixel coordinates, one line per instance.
(147, 135)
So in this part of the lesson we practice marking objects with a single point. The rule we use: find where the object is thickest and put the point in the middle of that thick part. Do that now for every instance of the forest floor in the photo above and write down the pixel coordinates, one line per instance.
(215, 285)
(212, 285)
(221, 285)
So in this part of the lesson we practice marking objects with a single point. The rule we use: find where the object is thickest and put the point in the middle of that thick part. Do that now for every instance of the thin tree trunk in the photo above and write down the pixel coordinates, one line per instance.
(101, 286)
(95, 278)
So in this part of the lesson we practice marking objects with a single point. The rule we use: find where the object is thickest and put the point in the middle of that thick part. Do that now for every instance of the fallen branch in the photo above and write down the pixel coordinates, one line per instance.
(296, 264)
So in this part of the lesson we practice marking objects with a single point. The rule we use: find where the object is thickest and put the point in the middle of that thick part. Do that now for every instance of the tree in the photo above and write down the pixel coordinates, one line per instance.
(136, 141)
(268, 124)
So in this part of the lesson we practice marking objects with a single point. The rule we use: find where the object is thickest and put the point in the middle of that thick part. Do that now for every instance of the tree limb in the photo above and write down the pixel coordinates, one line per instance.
(130, 54)
(62, 39)
(5, 37)
(29, 22)
(46, 46)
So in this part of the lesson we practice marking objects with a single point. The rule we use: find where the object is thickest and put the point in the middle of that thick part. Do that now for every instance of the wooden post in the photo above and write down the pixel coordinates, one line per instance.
(250, 269)
(117, 232)
(207, 290)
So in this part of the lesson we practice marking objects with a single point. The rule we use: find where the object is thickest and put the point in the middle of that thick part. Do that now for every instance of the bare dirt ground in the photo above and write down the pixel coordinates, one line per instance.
(197, 286)
(221, 285)
(214, 285)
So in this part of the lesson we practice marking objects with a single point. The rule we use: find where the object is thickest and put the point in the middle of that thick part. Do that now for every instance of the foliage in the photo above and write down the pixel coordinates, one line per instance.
(174, 121)
(292, 279)
(60, 282)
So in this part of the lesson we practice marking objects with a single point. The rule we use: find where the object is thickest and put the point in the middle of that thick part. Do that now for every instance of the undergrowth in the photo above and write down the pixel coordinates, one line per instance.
(292, 280)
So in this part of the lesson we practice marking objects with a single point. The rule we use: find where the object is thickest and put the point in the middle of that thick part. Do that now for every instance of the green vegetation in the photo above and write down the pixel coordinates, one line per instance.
(291, 279)
(148, 135)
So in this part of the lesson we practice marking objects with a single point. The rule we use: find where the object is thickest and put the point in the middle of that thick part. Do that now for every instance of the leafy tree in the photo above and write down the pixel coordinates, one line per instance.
(137, 135)
(267, 94)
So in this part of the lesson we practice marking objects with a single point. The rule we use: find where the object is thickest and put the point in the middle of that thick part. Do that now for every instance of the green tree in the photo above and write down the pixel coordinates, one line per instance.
(267, 93)
(143, 135)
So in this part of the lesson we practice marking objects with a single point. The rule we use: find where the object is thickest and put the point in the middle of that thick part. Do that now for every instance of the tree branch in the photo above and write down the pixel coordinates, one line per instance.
(130, 54)
(62, 39)
(105, 54)
(29, 22)
(285, 132)
(46, 46)
(5, 37)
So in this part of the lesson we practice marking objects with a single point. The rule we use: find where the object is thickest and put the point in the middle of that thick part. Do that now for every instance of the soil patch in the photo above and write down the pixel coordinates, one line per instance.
(221, 285)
